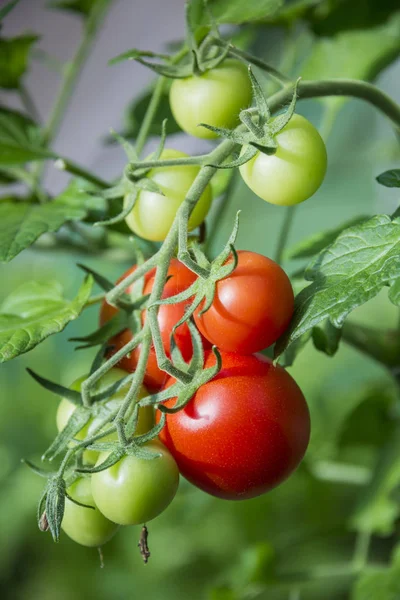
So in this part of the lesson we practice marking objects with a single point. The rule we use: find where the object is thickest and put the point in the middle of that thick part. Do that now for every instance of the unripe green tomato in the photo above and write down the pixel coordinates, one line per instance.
(86, 526)
(215, 97)
(153, 214)
(66, 408)
(136, 490)
(295, 171)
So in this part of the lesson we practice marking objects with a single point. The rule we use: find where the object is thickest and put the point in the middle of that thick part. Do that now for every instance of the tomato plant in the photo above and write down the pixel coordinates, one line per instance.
(295, 171)
(154, 213)
(243, 432)
(178, 333)
(136, 490)
(215, 97)
(251, 308)
(85, 525)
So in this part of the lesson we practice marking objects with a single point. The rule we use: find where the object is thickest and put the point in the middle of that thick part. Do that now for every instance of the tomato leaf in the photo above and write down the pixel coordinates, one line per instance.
(316, 242)
(82, 7)
(7, 9)
(351, 271)
(379, 507)
(14, 54)
(358, 54)
(33, 312)
(390, 178)
(20, 139)
(22, 223)
(326, 337)
(237, 11)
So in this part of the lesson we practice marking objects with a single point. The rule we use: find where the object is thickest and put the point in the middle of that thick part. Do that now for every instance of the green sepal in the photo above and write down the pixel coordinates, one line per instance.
(128, 206)
(150, 435)
(140, 452)
(55, 504)
(78, 419)
(247, 155)
(115, 325)
(37, 470)
(101, 281)
(111, 460)
(41, 517)
(134, 54)
(187, 391)
(71, 395)
(78, 503)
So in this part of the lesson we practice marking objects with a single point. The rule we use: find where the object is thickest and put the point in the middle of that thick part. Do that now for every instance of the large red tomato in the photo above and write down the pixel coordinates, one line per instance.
(180, 278)
(243, 432)
(251, 308)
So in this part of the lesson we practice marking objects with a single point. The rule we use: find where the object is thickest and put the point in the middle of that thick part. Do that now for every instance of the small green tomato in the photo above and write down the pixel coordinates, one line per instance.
(86, 526)
(295, 171)
(153, 214)
(215, 97)
(136, 490)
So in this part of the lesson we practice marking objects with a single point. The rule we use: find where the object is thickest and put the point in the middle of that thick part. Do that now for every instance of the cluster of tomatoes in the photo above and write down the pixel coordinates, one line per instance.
(240, 435)
(247, 429)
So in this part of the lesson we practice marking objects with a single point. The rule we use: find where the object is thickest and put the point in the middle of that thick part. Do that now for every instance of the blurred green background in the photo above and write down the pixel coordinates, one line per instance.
(302, 540)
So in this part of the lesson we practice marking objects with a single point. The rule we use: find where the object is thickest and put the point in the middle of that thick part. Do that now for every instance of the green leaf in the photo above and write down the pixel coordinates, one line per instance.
(14, 59)
(237, 11)
(33, 312)
(20, 139)
(358, 54)
(380, 507)
(326, 337)
(351, 271)
(135, 114)
(7, 8)
(22, 223)
(82, 7)
(316, 242)
(332, 16)
(390, 178)
(379, 583)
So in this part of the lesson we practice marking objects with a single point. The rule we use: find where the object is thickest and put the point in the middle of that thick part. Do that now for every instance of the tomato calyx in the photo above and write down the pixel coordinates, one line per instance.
(204, 287)
(183, 391)
(260, 128)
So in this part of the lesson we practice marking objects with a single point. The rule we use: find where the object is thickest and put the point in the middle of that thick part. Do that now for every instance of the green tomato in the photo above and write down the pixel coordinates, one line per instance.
(86, 526)
(295, 171)
(153, 214)
(66, 408)
(215, 97)
(136, 490)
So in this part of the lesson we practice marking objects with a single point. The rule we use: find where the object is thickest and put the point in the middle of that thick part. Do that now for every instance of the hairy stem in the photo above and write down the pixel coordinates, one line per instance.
(284, 233)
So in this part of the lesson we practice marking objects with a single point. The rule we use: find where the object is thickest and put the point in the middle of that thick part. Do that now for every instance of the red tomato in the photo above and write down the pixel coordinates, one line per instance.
(243, 432)
(251, 308)
(180, 278)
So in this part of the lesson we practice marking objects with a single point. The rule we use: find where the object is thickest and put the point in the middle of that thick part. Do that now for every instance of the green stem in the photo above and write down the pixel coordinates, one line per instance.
(339, 87)
(383, 346)
(150, 114)
(72, 72)
(29, 103)
(95, 300)
(361, 549)
(64, 164)
(284, 233)
(158, 92)
(198, 160)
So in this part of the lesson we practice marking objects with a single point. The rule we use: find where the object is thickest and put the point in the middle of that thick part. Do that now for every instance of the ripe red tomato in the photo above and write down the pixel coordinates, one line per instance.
(180, 278)
(243, 432)
(251, 308)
